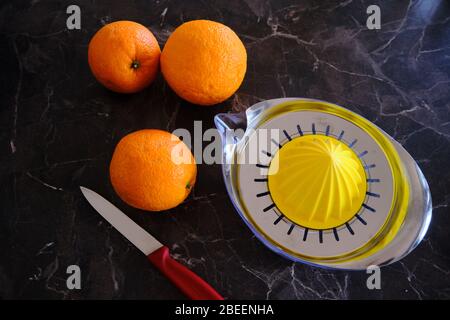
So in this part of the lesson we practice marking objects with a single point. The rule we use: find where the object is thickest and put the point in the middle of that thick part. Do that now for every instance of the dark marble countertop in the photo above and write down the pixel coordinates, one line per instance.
(59, 128)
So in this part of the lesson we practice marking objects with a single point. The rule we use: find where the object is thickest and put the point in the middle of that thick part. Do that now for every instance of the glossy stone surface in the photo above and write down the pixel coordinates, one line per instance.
(58, 128)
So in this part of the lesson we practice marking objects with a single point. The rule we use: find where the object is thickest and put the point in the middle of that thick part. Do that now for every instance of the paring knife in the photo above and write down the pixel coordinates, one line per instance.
(188, 282)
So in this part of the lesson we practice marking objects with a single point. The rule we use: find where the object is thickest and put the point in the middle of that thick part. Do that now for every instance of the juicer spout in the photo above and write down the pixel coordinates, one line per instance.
(231, 126)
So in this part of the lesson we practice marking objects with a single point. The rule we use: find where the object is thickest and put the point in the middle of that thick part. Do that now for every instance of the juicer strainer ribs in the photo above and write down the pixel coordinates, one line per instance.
(331, 189)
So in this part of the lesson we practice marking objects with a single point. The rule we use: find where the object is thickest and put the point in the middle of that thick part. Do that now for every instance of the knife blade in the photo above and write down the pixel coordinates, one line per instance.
(188, 282)
(120, 221)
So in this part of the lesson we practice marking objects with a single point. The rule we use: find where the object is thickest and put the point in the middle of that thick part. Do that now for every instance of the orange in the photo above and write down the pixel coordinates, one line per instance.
(152, 170)
(124, 56)
(204, 62)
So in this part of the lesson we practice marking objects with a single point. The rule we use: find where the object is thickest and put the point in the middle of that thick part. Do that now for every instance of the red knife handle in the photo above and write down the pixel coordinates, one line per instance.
(189, 283)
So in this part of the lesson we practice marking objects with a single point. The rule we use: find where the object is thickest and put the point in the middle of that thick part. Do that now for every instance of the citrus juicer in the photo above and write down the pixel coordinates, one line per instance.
(329, 188)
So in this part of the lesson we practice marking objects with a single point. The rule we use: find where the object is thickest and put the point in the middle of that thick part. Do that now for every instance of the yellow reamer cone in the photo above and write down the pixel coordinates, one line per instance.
(317, 181)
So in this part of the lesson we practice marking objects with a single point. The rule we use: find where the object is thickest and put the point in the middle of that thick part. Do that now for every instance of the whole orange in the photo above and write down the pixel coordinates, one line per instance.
(124, 56)
(204, 62)
(152, 170)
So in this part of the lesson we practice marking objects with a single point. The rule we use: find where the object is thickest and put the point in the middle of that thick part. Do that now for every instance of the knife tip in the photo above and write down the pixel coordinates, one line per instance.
(83, 189)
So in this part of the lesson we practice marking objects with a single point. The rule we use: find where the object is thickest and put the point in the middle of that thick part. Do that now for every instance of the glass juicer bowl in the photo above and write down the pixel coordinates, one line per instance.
(327, 187)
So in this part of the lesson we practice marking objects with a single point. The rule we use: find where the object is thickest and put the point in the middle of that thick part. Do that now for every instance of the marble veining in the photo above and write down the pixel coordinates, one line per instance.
(58, 128)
